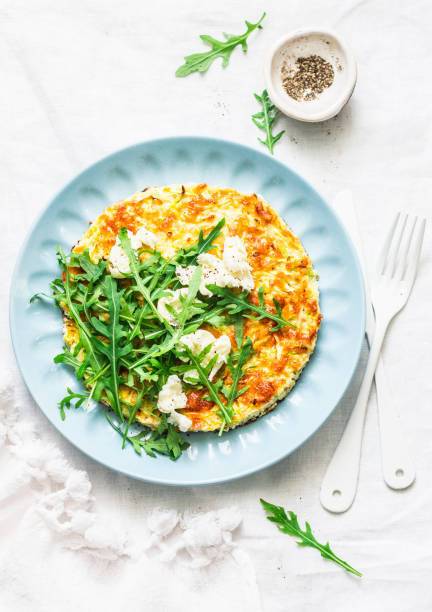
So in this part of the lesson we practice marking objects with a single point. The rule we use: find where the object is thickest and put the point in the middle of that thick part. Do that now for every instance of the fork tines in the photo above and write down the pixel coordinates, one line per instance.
(401, 250)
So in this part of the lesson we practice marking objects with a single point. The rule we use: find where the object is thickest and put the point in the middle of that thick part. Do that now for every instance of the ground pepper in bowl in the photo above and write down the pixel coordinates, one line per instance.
(308, 78)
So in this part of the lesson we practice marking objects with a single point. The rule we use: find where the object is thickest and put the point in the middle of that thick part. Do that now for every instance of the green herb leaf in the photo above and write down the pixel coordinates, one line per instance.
(185, 312)
(134, 266)
(236, 363)
(203, 375)
(204, 244)
(72, 399)
(265, 120)
(84, 332)
(113, 332)
(237, 303)
(201, 62)
(288, 523)
(92, 271)
(165, 440)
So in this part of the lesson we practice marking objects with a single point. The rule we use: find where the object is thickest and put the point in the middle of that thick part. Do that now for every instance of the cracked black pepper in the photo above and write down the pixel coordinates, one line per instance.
(309, 77)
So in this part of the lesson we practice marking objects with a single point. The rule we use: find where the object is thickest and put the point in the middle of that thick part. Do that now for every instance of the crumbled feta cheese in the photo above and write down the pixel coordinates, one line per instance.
(180, 420)
(236, 262)
(214, 272)
(171, 398)
(197, 342)
(173, 300)
(233, 270)
(141, 237)
(118, 261)
(185, 274)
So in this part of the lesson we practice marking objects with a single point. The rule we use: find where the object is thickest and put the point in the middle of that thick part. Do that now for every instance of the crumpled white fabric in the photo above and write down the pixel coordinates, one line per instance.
(62, 496)
(57, 502)
(197, 539)
(56, 491)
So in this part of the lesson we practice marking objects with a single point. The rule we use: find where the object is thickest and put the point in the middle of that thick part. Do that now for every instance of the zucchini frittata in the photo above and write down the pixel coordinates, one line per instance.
(216, 320)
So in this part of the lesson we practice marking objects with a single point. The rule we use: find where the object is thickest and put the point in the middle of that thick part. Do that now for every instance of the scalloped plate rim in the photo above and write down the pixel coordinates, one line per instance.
(257, 467)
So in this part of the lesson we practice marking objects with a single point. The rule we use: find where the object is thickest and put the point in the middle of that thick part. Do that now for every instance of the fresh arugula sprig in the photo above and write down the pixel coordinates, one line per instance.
(204, 366)
(113, 347)
(204, 244)
(72, 399)
(91, 271)
(289, 524)
(135, 270)
(172, 339)
(265, 120)
(237, 303)
(203, 371)
(201, 62)
(165, 440)
(67, 293)
(105, 317)
(236, 362)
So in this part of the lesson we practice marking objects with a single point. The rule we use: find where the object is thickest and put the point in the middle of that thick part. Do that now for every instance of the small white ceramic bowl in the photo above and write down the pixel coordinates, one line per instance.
(303, 43)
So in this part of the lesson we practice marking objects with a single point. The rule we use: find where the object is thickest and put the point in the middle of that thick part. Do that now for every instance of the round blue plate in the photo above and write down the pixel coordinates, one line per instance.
(37, 328)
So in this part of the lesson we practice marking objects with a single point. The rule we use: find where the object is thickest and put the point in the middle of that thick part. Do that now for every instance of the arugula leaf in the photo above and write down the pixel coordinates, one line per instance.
(134, 266)
(288, 523)
(203, 376)
(165, 440)
(239, 324)
(92, 271)
(185, 311)
(204, 244)
(182, 316)
(84, 332)
(132, 416)
(265, 120)
(237, 303)
(201, 62)
(235, 365)
(113, 333)
(72, 399)
(68, 358)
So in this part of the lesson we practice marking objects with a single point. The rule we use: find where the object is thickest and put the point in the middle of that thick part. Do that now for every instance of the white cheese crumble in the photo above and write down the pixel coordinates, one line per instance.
(143, 236)
(233, 270)
(235, 257)
(197, 342)
(171, 398)
(214, 272)
(172, 299)
(118, 261)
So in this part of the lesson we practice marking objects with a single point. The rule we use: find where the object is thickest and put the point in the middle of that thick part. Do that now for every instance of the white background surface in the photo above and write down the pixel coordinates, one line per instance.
(80, 79)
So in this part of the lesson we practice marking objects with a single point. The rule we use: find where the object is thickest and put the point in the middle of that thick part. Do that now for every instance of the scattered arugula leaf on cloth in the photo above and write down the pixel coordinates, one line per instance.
(201, 62)
(288, 523)
(265, 120)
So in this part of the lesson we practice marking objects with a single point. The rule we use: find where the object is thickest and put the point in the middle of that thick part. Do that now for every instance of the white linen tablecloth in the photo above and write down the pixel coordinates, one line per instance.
(80, 79)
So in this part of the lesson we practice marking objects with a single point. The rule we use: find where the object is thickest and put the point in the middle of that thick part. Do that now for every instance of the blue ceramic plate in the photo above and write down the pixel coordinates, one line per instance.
(37, 328)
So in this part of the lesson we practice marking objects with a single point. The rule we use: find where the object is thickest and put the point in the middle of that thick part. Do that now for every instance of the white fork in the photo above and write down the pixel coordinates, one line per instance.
(390, 289)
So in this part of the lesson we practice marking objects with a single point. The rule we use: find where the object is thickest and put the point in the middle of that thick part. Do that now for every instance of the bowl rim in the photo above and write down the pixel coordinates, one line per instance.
(334, 108)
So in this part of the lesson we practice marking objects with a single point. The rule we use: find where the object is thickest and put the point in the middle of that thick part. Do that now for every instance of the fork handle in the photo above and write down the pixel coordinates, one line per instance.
(397, 464)
(339, 486)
